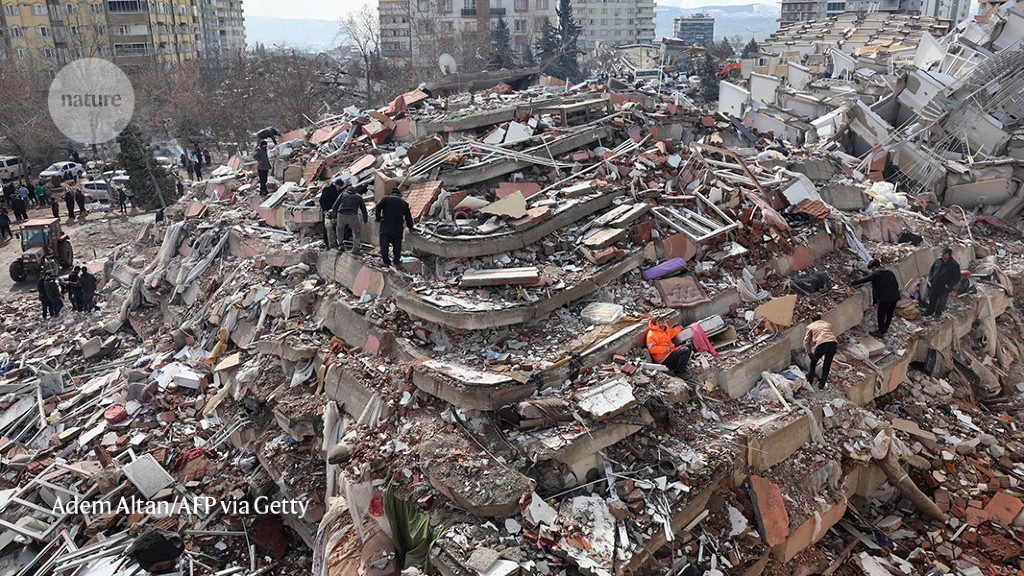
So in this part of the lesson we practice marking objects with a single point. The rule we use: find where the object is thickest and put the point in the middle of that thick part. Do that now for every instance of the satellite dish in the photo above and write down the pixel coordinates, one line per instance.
(447, 64)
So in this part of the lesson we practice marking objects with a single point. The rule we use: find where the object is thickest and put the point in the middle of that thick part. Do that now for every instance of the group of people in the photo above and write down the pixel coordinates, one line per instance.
(345, 213)
(79, 286)
(19, 198)
(194, 162)
(820, 342)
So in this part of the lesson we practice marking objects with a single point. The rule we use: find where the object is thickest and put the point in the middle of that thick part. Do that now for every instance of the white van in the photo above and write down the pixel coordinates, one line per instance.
(10, 168)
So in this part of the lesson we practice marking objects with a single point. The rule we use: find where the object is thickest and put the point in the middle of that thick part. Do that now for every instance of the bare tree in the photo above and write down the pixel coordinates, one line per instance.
(362, 29)
(25, 122)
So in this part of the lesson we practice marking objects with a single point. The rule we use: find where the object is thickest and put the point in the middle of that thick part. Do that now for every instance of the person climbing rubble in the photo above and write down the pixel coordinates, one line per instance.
(885, 292)
(820, 344)
(389, 213)
(262, 165)
(328, 196)
(663, 350)
(943, 278)
(347, 211)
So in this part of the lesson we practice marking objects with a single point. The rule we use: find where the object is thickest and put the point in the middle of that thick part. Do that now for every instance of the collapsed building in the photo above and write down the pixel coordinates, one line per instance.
(493, 409)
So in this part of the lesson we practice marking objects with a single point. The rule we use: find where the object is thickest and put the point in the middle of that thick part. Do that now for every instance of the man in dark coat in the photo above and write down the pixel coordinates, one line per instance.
(43, 298)
(87, 283)
(80, 199)
(885, 291)
(74, 288)
(328, 196)
(53, 296)
(269, 132)
(351, 214)
(262, 165)
(69, 201)
(390, 213)
(55, 207)
(943, 277)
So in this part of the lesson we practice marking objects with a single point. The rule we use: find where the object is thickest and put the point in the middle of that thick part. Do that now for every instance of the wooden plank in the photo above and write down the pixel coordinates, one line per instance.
(500, 277)
(634, 213)
(603, 238)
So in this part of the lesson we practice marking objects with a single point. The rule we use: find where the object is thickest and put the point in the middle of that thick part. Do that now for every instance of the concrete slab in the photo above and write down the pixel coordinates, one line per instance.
(148, 476)
(769, 510)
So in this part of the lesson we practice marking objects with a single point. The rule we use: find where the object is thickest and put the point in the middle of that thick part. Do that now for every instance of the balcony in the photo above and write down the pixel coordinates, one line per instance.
(469, 12)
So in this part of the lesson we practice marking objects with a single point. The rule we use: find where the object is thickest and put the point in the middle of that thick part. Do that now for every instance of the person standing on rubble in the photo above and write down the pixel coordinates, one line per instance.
(348, 208)
(328, 196)
(74, 288)
(87, 283)
(885, 291)
(663, 350)
(55, 207)
(207, 159)
(262, 165)
(122, 200)
(53, 297)
(389, 213)
(820, 344)
(69, 201)
(43, 298)
(943, 278)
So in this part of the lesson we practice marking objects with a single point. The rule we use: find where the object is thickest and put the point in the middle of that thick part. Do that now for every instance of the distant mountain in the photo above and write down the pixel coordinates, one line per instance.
(757, 19)
(303, 34)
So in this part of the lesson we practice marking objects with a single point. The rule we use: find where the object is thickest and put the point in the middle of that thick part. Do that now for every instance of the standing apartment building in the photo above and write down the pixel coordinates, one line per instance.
(793, 11)
(48, 34)
(695, 29)
(616, 22)
(417, 32)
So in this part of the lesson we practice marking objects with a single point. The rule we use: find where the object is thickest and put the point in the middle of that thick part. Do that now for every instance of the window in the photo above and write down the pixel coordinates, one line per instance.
(446, 6)
(48, 53)
(520, 5)
(11, 9)
(423, 27)
(39, 9)
(123, 30)
(101, 30)
(104, 51)
(604, 10)
(469, 4)
(42, 31)
(161, 8)
(423, 5)
(74, 31)
(96, 8)
(520, 26)
(71, 8)
(77, 53)
(543, 4)
(17, 32)
(125, 5)
(131, 49)
(448, 26)
(604, 21)
(21, 53)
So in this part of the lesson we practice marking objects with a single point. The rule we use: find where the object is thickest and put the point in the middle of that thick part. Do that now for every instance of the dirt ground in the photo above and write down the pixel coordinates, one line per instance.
(93, 238)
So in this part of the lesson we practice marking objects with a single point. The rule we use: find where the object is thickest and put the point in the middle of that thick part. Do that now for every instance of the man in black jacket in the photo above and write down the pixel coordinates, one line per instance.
(87, 282)
(942, 279)
(262, 165)
(389, 213)
(328, 196)
(885, 291)
(347, 209)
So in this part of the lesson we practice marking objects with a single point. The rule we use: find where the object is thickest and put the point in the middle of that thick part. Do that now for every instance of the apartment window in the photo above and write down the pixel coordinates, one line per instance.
(618, 32)
(423, 5)
(104, 51)
(17, 32)
(182, 10)
(101, 30)
(520, 5)
(604, 10)
(11, 9)
(446, 6)
(423, 27)
(71, 8)
(161, 8)
(74, 31)
(96, 8)
(604, 21)
(469, 4)
(543, 4)
(131, 49)
(591, 21)
(39, 9)
(21, 53)
(42, 31)
(618, 21)
(125, 5)
(448, 26)
(124, 30)
(520, 26)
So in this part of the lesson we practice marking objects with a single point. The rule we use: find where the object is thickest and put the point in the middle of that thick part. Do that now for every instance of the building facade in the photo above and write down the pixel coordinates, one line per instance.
(793, 11)
(616, 22)
(696, 29)
(955, 10)
(48, 34)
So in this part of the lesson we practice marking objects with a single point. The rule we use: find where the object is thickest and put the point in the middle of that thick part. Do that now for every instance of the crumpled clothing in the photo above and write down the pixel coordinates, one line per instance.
(700, 340)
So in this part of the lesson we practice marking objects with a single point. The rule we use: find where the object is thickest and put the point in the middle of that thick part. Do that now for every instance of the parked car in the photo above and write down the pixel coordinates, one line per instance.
(62, 169)
(11, 168)
(96, 190)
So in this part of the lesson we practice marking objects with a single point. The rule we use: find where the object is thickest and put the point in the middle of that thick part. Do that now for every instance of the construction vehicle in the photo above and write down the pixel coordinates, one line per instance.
(730, 67)
(44, 246)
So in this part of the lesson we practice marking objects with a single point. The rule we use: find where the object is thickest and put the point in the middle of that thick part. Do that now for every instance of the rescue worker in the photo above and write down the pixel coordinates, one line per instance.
(262, 165)
(328, 196)
(390, 213)
(74, 289)
(347, 210)
(87, 283)
(43, 298)
(885, 291)
(663, 350)
(943, 278)
(52, 294)
(820, 344)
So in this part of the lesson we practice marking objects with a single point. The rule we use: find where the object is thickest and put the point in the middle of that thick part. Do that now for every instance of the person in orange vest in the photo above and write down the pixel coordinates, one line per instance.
(663, 350)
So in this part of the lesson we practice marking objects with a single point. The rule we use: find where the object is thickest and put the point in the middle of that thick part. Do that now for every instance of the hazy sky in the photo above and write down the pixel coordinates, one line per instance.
(320, 9)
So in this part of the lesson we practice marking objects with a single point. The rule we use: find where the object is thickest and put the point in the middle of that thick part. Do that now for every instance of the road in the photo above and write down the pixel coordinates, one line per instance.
(94, 238)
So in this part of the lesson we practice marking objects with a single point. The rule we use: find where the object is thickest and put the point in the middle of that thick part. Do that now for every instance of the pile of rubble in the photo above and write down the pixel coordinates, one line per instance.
(260, 403)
